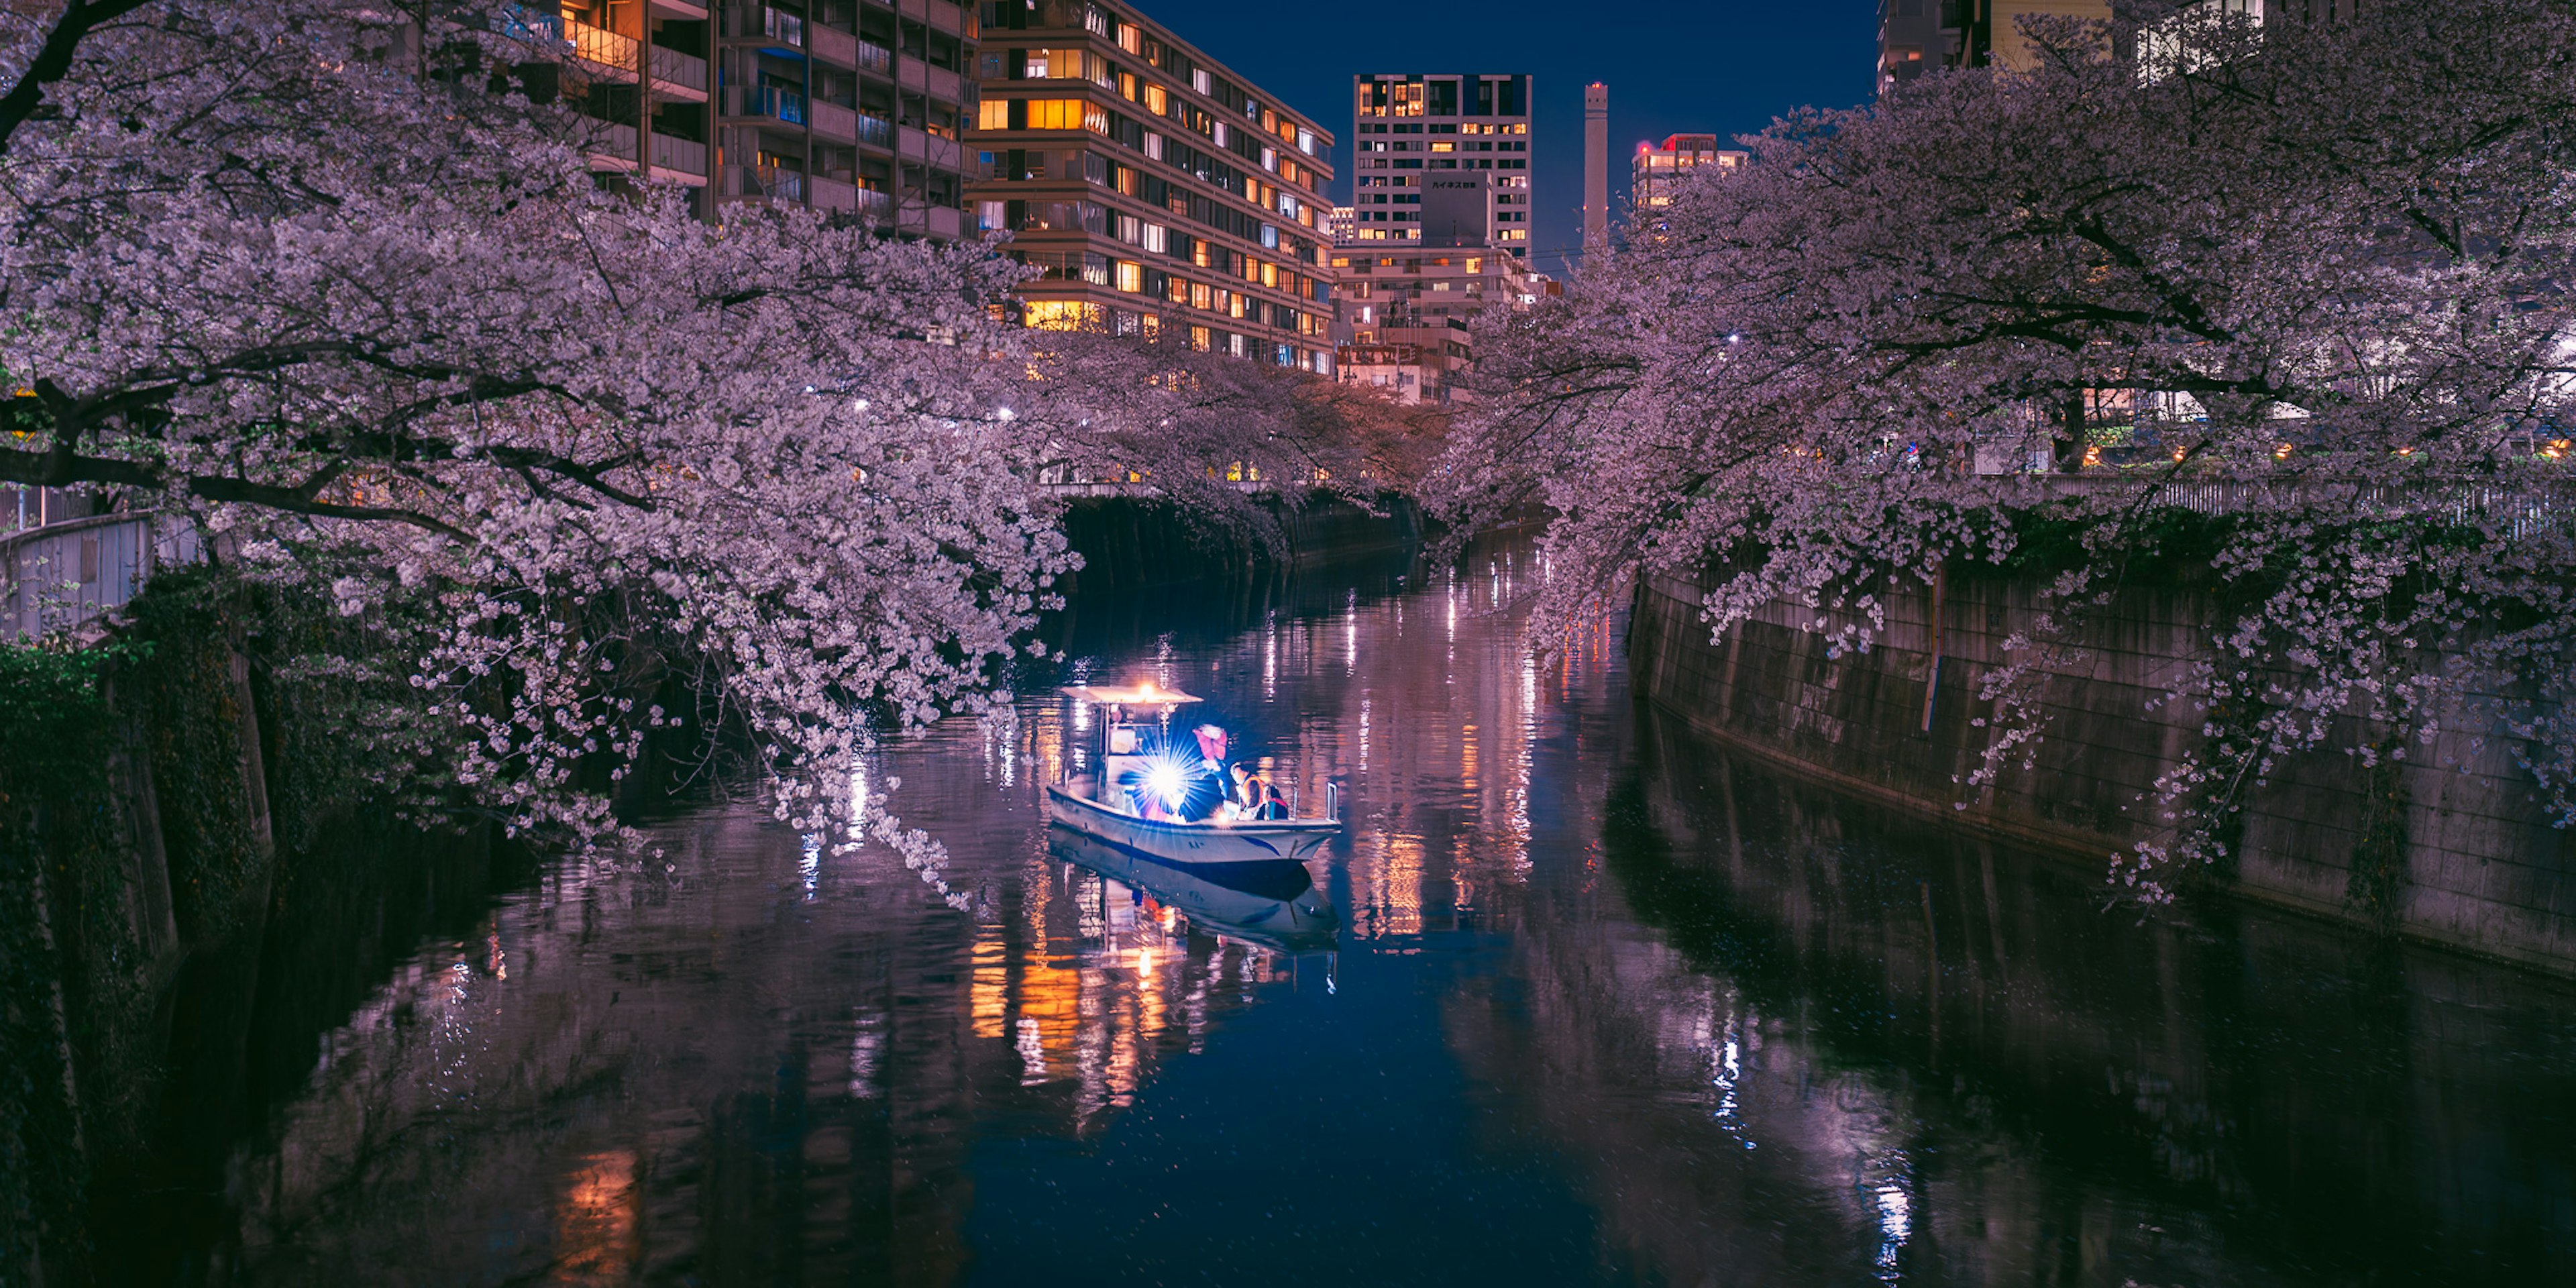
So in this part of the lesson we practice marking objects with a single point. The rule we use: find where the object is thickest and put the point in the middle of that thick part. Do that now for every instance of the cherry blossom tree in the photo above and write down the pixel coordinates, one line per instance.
(2309, 276)
(319, 275)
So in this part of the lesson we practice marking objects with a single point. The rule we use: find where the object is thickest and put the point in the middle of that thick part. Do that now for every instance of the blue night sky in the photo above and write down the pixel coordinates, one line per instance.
(1718, 66)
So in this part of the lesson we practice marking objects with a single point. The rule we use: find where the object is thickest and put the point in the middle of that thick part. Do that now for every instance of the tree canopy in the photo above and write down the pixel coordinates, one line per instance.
(2312, 275)
(335, 280)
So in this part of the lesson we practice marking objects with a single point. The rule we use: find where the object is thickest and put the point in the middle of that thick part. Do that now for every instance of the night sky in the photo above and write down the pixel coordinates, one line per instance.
(1717, 66)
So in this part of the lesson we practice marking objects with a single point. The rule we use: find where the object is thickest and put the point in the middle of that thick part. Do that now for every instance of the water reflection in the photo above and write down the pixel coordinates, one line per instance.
(1578, 999)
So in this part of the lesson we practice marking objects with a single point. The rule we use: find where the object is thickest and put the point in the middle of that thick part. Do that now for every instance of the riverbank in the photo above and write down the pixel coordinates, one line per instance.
(189, 884)
(2448, 849)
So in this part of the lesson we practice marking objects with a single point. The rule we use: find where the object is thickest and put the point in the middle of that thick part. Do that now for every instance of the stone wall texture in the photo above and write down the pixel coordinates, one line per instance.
(2480, 868)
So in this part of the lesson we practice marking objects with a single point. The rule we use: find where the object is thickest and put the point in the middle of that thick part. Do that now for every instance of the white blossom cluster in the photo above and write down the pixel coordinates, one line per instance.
(2306, 283)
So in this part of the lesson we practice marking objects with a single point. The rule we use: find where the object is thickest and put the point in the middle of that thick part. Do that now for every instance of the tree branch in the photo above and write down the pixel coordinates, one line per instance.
(53, 59)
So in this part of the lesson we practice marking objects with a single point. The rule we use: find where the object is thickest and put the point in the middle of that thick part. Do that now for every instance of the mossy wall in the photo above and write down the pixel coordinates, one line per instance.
(136, 829)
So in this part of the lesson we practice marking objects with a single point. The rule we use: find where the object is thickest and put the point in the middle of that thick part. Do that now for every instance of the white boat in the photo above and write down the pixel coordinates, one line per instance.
(1096, 806)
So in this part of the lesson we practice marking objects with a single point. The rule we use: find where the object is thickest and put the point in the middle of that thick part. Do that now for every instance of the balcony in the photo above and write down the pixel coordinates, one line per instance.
(610, 146)
(679, 75)
(682, 159)
(785, 28)
(833, 45)
(602, 51)
(833, 121)
(684, 10)
(764, 182)
(875, 58)
(876, 130)
(834, 194)
(766, 100)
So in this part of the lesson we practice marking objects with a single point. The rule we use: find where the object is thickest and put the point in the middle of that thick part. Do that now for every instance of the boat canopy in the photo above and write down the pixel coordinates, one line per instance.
(1128, 695)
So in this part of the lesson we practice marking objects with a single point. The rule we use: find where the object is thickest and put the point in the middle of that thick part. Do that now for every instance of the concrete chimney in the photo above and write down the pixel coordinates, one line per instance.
(1596, 165)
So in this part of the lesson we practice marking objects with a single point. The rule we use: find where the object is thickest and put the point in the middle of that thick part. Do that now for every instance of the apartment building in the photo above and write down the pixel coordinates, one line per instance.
(854, 106)
(1407, 128)
(1151, 186)
(1916, 36)
(1402, 313)
(1657, 170)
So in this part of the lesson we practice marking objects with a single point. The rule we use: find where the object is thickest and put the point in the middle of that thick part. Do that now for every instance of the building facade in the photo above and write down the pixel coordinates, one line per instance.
(1403, 313)
(1656, 171)
(1152, 187)
(1916, 36)
(1406, 127)
(852, 106)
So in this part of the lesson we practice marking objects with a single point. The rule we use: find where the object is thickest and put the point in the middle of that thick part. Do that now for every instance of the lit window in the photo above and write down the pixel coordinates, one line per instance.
(1056, 113)
(995, 114)
(1131, 276)
(1059, 315)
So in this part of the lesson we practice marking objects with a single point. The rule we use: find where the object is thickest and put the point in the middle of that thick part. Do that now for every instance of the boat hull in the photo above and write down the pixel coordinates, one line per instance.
(1276, 907)
(1191, 844)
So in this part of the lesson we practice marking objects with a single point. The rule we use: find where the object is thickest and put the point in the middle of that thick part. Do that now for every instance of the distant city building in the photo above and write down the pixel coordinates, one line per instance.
(1916, 36)
(1596, 165)
(1152, 187)
(1337, 225)
(845, 107)
(1658, 170)
(1404, 312)
(1407, 129)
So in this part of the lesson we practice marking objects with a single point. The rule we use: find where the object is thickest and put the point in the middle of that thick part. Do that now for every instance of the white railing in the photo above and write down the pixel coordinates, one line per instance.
(62, 576)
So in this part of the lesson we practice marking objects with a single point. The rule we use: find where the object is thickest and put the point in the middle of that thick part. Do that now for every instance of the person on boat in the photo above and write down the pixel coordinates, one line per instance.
(1255, 796)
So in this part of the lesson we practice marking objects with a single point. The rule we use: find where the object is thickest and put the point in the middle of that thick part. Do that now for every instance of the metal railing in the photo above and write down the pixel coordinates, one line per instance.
(62, 576)
(766, 100)
(2524, 507)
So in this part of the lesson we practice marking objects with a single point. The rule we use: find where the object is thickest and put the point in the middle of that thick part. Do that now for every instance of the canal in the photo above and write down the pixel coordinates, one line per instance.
(1601, 1006)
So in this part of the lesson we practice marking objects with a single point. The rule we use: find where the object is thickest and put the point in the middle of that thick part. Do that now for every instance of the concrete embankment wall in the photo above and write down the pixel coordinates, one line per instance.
(2449, 847)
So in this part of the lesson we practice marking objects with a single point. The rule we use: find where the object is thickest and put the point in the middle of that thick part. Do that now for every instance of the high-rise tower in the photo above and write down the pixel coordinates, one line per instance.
(1410, 129)
(1596, 165)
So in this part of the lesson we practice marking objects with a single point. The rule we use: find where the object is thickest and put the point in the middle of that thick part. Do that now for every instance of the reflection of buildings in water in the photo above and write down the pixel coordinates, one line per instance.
(676, 1074)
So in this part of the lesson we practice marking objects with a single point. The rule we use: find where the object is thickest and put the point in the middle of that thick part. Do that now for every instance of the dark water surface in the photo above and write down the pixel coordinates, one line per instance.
(1602, 1007)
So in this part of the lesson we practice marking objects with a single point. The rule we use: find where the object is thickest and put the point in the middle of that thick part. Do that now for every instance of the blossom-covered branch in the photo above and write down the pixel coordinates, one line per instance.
(2321, 267)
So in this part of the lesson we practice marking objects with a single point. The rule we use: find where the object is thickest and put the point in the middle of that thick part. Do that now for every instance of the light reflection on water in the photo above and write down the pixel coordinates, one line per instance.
(1576, 1000)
